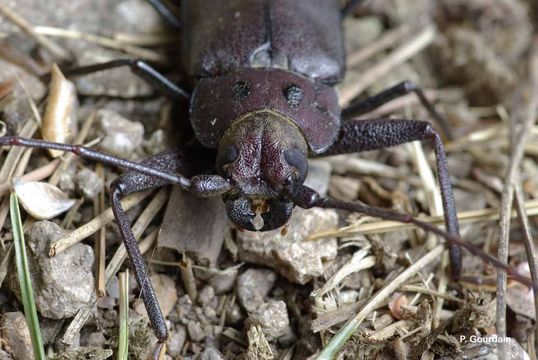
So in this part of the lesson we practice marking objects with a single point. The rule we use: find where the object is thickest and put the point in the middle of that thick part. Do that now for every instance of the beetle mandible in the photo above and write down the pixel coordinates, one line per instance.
(264, 72)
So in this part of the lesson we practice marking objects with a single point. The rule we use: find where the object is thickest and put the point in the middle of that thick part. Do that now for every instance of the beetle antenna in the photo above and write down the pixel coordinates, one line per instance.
(306, 198)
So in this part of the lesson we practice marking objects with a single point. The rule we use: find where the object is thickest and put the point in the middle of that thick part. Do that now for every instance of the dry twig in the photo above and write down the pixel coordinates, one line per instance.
(522, 120)
(529, 247)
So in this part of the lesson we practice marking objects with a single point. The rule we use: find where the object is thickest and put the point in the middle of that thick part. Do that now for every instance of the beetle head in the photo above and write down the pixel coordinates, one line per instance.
(261, 153)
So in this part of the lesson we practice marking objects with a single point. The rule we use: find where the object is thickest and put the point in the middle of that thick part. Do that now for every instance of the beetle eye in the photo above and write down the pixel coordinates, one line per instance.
(230, 154)
(297, 159)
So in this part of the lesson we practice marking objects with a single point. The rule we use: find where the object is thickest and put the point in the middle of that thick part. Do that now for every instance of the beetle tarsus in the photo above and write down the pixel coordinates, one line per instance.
(159, 350)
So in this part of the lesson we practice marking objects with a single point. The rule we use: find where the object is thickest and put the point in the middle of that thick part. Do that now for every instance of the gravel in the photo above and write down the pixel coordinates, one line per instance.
(272, 317)
(253, 286)
(62, 284)
(16, 335)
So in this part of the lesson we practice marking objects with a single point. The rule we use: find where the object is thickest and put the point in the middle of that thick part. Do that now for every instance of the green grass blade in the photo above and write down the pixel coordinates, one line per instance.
(25, 283)
(123, 338)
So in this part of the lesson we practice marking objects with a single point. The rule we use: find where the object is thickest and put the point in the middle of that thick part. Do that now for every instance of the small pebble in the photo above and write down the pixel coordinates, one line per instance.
(253, 286)
(16, 335)
(106, 302)
(96, 339)
(272, 317)
(298, 260)
(120, 136)
(467, 200)
(113, 288)
(176, 342)
(141, 15)
(209, 312)
(50, 328)
(5, 356)
(234, 314)
(206, 295)
(223, 282)
(196, 332)
(184, 309)
(344, 188)
(89, 183)
(62, 284)
(210, 353)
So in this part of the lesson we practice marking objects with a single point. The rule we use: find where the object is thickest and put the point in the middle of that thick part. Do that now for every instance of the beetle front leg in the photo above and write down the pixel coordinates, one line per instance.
(130, 182)
(373, 134)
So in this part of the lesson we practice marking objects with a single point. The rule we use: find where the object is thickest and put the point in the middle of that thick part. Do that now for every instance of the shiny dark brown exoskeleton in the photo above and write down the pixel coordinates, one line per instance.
(263, 97)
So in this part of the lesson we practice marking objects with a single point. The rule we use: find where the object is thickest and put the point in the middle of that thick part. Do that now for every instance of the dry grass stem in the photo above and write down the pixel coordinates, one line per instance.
(407, 101)
(374, 302)
(432, 293)
(36, 175)
(530, 250)
(56, 50)
(523, 118)
(395, 58)
(150, 212)
(15, 157)
(100, 237)
(387, 40)
(345, 163)
(94, 225)
(103, 41)
(149, 40)
(441, 289)
(429, 185)
(70, 215)
(391, 330)
(4, 265)
(235, 335)
(359, 261)
(325, 321)
(146, 217)
(31, 102)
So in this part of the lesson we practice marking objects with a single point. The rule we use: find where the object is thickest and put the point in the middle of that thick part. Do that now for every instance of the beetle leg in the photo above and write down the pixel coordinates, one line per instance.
(98, 156)
(200, 185)
(306, 198)
(372, 134)
(139, 68)
(130, 182)
(166, 13)
(405, 87)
